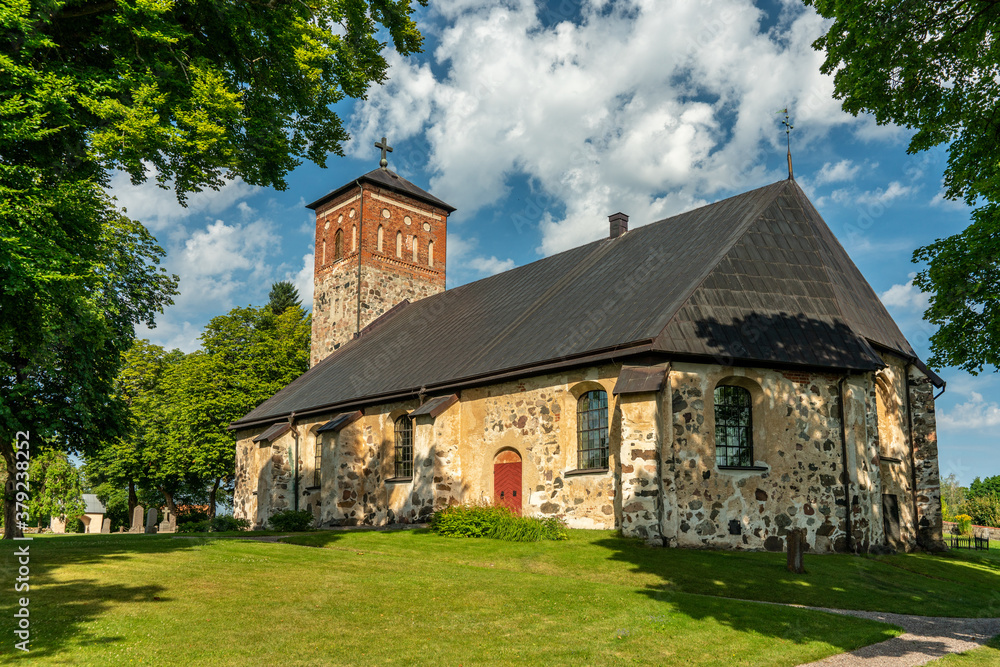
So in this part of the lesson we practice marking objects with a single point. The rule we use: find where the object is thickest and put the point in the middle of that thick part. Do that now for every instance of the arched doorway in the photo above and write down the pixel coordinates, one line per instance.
(507, 480)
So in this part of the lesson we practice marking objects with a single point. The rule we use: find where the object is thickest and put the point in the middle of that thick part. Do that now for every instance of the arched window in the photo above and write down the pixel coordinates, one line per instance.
(733, 427)
(338, 245)
(323, 261)
(592, 430)
(399, 245)
(318, 463)
(380, 238)
(430, 253)
(415, 254)
(404, 447)
(354, 238)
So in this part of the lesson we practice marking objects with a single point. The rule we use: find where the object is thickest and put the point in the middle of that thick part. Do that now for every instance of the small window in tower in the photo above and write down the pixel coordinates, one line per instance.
(407, 219)
(324, 252)
(430, 253)
(415, 243)
(350, 214)
(427, 226)
(354, 238)
(326, 224)
(340, 219)
(338, 245)
(385, 213)
(399, 244)
(380, 238)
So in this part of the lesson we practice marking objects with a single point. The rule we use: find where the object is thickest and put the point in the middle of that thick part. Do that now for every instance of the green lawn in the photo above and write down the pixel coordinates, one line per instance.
(385, 598)
(987, 656)
(410, 597)
(958, 583)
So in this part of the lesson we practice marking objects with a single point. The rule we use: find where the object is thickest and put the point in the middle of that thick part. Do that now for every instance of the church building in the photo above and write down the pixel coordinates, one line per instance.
(714, 380)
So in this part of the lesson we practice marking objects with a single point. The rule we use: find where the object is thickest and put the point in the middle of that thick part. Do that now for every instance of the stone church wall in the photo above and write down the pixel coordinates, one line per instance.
(662, 482)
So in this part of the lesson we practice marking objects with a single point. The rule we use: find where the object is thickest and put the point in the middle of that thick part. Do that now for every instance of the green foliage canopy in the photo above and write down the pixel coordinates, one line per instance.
(934, 67)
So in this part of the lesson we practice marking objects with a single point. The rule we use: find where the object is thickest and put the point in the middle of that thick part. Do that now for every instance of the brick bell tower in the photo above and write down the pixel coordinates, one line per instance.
(379, 240)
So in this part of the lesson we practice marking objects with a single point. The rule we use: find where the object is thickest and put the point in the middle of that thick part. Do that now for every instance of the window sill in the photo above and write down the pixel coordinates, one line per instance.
(745, 468)
(312, 488)
(889, 459)
(585, 471)
(398, 480)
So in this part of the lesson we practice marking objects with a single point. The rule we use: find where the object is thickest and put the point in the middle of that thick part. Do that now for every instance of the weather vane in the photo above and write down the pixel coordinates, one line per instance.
(788, 138)
(386, 148)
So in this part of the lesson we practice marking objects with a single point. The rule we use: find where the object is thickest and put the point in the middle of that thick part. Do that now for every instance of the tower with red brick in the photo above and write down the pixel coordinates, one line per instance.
(380, 240)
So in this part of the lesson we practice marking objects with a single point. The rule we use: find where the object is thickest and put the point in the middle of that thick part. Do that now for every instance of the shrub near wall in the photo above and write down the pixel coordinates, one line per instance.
(984, 510)
(496, 522)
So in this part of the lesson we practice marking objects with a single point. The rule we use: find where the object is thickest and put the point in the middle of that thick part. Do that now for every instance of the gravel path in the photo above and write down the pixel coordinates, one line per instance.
(926, 638)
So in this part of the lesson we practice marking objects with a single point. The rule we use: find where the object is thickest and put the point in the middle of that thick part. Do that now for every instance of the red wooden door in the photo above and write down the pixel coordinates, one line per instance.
(507, 480)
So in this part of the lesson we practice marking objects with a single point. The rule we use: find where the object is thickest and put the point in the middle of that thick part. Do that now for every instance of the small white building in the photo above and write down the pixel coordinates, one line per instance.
(93, 516)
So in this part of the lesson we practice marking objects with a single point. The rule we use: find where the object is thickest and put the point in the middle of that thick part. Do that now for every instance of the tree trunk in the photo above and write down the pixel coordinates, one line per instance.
(133, 500)
(10, 527)
(169, 497)
(211, 498)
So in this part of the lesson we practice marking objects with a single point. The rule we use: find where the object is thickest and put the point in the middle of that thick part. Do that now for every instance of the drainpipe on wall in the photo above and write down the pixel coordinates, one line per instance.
(913, 456)
(361, 228)
(295, 461)
(846, 474)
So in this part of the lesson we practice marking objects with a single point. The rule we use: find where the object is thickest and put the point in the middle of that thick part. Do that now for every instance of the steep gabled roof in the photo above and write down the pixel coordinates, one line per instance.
(389, 180)
(756, 278)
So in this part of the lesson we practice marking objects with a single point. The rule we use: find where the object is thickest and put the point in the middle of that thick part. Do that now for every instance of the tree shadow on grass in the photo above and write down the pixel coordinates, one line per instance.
(60, 612)
(724, 586)
(904, 584)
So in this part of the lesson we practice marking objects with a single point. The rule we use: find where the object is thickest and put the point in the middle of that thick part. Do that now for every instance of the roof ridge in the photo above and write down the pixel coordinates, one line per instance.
(744, 227)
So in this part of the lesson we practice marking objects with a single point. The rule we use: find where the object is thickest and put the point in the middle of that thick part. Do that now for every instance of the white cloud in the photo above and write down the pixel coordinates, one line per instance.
(224, 259)
(974, 414)
(906, 297)
(880, 197)
(488, 266)
(157, 208)
(644, 107)
(303, 280)
(845, 170)
(171, 335)
(939, 201)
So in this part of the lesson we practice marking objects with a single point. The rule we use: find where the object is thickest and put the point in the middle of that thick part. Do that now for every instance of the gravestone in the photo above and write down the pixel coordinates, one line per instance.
(106, 526)
(137, 515)
(151, 521)
(169, 523)
(796, 541)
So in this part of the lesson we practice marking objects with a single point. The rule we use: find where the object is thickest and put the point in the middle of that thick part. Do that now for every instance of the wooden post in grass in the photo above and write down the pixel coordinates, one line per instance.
(796, 546)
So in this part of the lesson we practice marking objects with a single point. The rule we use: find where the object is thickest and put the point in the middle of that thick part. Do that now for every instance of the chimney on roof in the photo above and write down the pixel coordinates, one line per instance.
(619, 224)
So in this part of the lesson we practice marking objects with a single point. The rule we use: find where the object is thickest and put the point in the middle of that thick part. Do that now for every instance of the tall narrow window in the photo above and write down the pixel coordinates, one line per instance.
(354, 238)
(415, 253)
(380, 238)
(317, 479)
(404, 447)
(430, 253)
(324, 252)
(399, 245)
(733, 427)
(338, 245)
(592, 430)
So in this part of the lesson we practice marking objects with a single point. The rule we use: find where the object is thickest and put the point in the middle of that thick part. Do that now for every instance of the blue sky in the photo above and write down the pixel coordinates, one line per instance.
(537, 122)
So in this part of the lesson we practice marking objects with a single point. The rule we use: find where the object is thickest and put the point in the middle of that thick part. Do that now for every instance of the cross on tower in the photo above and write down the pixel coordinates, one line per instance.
(386, 148)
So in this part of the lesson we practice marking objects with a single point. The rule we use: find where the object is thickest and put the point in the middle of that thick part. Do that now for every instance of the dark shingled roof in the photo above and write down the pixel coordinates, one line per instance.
(754, 279)
(390, 180)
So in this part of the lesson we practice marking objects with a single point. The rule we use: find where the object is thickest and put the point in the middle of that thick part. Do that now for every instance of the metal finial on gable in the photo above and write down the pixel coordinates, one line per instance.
(386, 148)
(788, 140)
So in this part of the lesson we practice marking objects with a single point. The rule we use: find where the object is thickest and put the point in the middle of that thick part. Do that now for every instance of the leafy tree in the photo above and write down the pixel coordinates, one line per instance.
(952, 495)
(56, 488)
(283, 296)
(192, 92)
(932, 67)
(985, 487)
